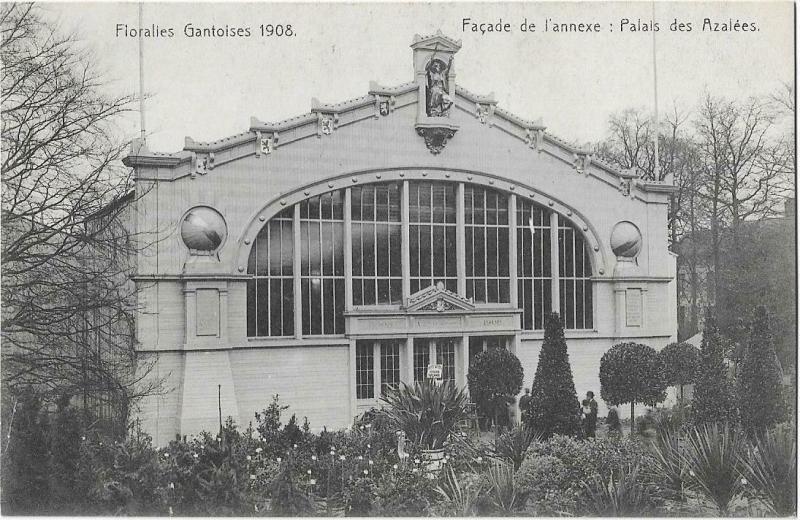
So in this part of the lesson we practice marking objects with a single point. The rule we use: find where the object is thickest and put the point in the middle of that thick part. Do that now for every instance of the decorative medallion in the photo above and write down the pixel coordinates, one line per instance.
(436, 137)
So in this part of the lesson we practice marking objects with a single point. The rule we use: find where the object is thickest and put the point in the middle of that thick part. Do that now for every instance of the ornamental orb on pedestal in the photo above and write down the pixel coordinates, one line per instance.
(203, 230)
(626, 240)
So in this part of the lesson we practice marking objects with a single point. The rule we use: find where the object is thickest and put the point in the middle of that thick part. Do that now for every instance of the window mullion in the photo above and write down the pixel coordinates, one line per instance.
(348, 251)
(298, 294)
(405, 257)
(376, 369)
(555, 297)
(512, 250)
(461, 266)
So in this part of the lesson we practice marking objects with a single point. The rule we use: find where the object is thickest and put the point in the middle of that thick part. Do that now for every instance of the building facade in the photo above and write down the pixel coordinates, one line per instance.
(329, 256)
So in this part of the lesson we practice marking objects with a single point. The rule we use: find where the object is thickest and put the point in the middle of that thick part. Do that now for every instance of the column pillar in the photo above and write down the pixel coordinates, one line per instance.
(461, 263)
(408, 373)
(298, 288)
(555, 297)
(348, 251)
(512, 250)
(464, 361)
(376, 369)
(352, 379)
(404, 246)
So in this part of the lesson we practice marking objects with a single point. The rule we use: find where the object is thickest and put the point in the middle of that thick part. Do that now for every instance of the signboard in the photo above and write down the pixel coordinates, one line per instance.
(633, 307)
(435, 371)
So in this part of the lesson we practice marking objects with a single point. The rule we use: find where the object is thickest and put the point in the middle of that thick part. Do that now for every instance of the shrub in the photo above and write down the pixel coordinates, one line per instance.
(714, 461)
(713, 400)
(632, 373)
(404, 491)
(680, 364)
(427, 412)
(513, 444)
(501, 490)
(771, 468)
(759, 379)
(612, 421)
(544, 482)
(494, 379)
(554, 406)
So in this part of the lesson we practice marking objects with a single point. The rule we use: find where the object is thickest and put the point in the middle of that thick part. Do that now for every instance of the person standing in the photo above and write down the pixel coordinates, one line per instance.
(524, 405)
(589, 415)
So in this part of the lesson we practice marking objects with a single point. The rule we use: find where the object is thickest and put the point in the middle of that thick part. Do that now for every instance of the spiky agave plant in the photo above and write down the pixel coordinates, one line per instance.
(428, 413)
(619, 494)
(669, 464)
(460, 497)
(513, 444)
(714, 459)
(771, 468)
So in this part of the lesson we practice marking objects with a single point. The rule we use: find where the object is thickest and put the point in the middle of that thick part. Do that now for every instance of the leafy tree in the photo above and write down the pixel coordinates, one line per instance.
(759, 381)
(494, 379)
(632, 373)
(554, 406)
(713, 400)
(680, 364)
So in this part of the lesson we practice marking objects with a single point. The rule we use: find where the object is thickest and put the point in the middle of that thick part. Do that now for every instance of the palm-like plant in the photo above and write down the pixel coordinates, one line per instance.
(501, 489)
(428, 413)
(460, 498)
(513, 444)
(669, 463)
(618, 495)
(714, 459)
(771, 468)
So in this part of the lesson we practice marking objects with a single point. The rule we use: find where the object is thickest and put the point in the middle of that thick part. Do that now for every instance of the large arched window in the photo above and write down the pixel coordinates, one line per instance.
(301, 283)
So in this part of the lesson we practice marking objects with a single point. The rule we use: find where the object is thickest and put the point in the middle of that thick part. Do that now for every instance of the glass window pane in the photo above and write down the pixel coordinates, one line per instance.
(396, 289)
(356, 239)
(288, 307)
(275, 301)
(502, 251)
(491, 252)
(439, 251)
(396, 251)
(383, 249)
(450, 247)
(368, 252)
(251, 308)
(425, 251)
(262, 306)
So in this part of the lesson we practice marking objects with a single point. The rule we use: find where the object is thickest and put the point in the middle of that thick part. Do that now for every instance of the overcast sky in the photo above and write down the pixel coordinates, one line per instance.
(208, 88)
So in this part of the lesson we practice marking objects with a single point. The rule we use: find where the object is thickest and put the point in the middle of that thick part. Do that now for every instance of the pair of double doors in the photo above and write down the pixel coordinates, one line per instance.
(441, 351)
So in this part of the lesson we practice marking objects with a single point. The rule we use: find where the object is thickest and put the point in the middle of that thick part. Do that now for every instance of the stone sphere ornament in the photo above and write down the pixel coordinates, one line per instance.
(626, 240)
(203, 230)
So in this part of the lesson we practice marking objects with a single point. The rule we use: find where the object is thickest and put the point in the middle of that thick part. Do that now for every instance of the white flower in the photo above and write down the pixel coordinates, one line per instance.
(341, 457)
(362, 426)
(333, 452)
(744, 481)
(369, 425)
(252, 477)
(308, 471)
(360, 457)
(691, 472)
(194, 455)
(172, 485)
(366, 472)
(259, 450)
(83, 438)
(333, 448)
(395, 466)
(479, 459)
(313, 457)
(279, 459)
(416, 461)
(313, 481)
(370, 463)
(218, 439)
(255, 507)
(170, 511)
(414, 470)
(166, 455)
(294, 445)
(369, 445)
(249, 457)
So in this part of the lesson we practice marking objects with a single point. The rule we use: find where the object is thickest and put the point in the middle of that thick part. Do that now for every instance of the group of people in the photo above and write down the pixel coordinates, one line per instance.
(588, 411)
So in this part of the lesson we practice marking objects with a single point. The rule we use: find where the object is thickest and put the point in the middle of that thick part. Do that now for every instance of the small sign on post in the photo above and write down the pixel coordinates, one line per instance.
(435, 372)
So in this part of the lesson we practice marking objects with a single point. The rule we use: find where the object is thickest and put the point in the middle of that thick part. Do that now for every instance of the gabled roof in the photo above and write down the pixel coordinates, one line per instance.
(437, 298)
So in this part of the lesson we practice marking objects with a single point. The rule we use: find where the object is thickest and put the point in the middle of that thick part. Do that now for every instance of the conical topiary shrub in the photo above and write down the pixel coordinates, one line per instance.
(759, 381)
(713, 400)
(554, 406)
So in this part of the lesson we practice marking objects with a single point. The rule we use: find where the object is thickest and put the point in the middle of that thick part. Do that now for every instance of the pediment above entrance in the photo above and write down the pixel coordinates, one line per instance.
(437, 299)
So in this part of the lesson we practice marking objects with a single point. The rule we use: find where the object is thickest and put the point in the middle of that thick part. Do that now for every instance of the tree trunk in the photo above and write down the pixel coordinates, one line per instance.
(632, 419)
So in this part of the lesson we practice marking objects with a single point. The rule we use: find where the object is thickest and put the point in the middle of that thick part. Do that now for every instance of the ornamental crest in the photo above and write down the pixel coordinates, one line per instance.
(438, 299)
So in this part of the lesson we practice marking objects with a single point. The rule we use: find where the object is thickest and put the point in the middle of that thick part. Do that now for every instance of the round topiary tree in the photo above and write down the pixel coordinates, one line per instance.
(713, 400)
(554, 406)
(494, 378)
(759, 382)
(632, 373)
(680, 364)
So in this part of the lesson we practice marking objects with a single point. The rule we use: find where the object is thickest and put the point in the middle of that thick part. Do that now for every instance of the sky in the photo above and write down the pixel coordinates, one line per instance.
(209, 87)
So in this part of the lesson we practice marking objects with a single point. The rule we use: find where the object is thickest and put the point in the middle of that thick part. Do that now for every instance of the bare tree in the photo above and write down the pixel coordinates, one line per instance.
(67, 248)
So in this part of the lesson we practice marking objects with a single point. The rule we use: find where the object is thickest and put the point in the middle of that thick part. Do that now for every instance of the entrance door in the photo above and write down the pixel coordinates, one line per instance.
(435, 350)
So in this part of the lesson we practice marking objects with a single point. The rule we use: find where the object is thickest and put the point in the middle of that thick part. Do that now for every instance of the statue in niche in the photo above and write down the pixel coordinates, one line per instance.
(439, 101)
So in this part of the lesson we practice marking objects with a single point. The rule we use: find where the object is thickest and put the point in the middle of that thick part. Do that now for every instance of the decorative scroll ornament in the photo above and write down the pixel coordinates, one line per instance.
(384, 104)
(436, 137)
(438, 97)
(437, 298)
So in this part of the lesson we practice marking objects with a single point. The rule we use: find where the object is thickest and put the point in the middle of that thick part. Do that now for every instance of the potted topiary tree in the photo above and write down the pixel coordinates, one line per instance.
(428, 414)
(632, 373)
(494, 379)
(680, 364)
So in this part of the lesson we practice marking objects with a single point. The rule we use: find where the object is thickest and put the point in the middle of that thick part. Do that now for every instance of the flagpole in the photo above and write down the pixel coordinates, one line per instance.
(141, 73)
(656, 167)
